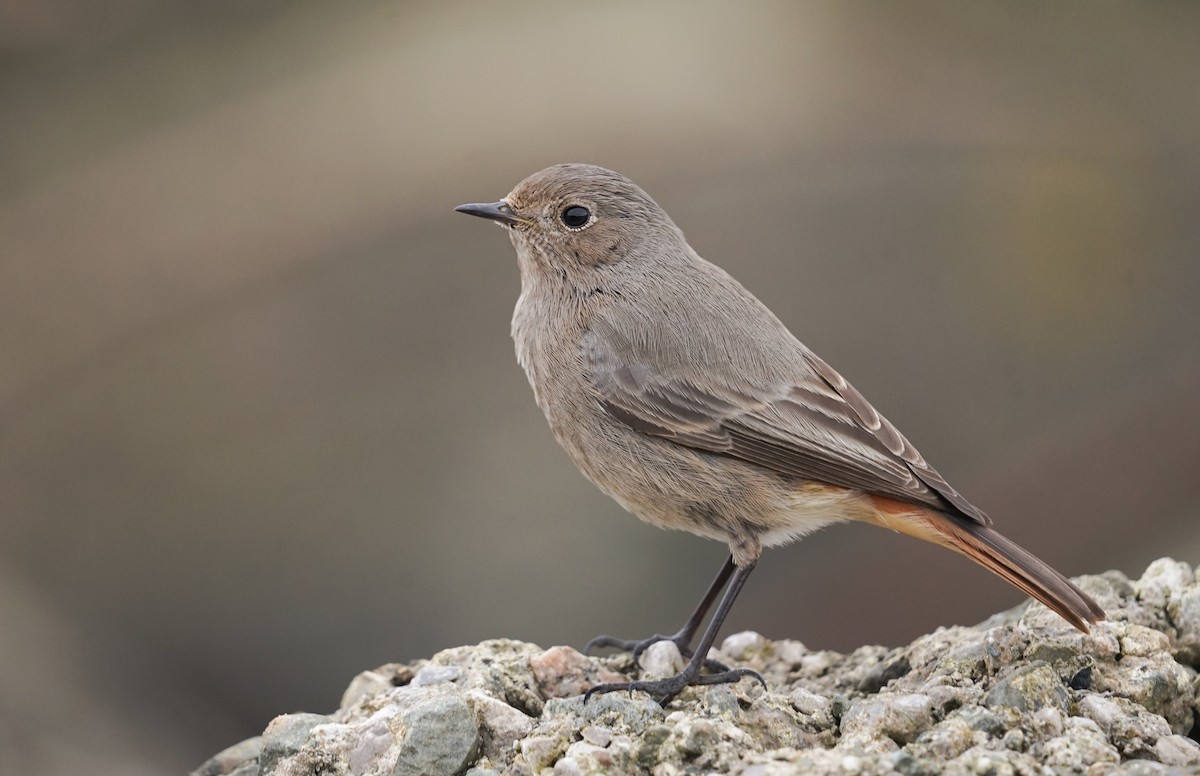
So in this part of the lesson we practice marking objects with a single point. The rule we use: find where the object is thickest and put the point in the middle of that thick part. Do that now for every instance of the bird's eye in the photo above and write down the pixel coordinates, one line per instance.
(576, 216)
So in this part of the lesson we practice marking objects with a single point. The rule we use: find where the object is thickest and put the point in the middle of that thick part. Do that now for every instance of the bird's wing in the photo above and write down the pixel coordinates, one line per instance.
(815, 426)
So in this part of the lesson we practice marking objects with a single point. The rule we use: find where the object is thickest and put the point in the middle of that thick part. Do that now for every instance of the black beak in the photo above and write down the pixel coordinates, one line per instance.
(496, 211)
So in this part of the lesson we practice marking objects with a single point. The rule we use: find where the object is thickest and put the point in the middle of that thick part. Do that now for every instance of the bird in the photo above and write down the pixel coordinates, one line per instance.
(684, 398)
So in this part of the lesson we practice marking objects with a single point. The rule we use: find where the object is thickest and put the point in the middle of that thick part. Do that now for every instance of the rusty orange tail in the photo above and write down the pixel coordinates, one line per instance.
(995, 553)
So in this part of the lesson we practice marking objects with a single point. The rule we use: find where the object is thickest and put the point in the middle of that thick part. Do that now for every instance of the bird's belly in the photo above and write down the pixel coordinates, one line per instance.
(675, 487)
(814, 505)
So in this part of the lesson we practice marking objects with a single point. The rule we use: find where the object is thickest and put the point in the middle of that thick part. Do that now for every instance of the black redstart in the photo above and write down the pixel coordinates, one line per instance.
(684, 398)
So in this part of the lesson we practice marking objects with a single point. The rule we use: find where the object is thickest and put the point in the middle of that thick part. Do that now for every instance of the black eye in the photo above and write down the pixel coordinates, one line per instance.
(576, 216)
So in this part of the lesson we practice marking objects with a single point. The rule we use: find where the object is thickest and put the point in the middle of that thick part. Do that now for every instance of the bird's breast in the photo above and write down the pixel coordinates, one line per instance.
(547, 334)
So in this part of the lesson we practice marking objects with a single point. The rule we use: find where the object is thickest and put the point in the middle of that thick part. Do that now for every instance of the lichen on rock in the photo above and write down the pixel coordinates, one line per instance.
(1021, 693)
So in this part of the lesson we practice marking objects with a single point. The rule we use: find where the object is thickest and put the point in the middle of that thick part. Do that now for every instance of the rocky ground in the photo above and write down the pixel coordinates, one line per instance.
(1022, 693)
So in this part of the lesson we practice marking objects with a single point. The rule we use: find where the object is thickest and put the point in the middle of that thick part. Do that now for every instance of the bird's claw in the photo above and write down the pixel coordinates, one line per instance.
(663, 690)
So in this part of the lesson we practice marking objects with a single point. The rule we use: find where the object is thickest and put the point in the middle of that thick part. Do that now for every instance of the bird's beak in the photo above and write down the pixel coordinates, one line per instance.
(499, 212)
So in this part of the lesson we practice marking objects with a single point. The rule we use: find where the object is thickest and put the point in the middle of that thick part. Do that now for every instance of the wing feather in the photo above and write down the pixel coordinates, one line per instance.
(813, 426)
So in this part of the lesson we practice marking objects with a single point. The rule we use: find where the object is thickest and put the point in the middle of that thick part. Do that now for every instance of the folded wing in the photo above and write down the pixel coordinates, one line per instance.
(813, 425)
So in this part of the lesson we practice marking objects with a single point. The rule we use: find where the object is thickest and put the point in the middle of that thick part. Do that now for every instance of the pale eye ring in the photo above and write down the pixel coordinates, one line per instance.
(575, 216)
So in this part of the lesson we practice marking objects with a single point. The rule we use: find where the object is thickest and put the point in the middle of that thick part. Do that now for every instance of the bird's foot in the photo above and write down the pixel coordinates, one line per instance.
(636, 648)
(663, 690)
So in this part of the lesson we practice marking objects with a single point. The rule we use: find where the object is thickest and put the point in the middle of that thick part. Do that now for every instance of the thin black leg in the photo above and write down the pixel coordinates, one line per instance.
(683, 638)
(663, 690)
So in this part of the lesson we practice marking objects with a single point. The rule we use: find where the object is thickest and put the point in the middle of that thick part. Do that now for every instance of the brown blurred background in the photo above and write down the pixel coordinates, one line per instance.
(261, 426)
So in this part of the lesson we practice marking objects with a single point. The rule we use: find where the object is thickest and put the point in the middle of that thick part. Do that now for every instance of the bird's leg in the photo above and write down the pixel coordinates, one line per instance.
(663, 690)
(683, 638)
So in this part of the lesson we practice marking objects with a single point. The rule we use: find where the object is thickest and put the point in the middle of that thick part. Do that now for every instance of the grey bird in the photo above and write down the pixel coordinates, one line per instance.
(681, 396)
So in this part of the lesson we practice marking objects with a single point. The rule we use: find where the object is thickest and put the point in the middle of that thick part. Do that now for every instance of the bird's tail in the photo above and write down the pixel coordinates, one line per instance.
(1000, 556)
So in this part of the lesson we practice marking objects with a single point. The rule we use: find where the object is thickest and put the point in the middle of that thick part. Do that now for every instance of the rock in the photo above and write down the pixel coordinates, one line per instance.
(285, 736)
(240, 759)
(501, 724)
(887, 721)
(739, 646)
(1022, 693)
(1081, 746)
(1162, 579)
(1183, 608)
(1028, 688)
(440, 740)
(1129, 727)
(1156, 682)
(561, 672)
(811, 704)
(365, 685)
(500, 668)
(1140, 641)
(1177, 750)
(435, 674)
(661, 659)
(947, 740)
(884, 674)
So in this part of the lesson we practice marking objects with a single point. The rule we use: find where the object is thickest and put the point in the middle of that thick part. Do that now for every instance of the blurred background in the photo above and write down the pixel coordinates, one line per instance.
(261, 426)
